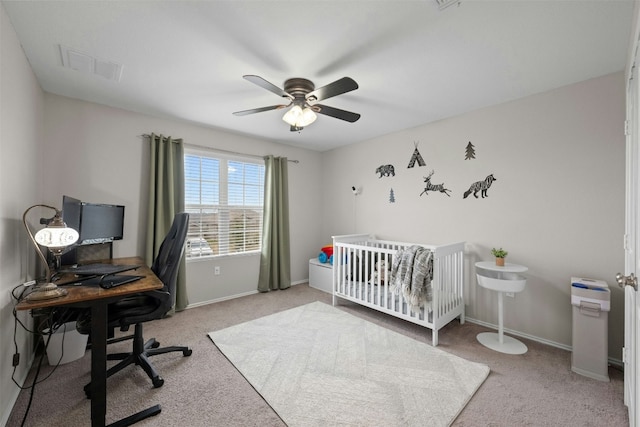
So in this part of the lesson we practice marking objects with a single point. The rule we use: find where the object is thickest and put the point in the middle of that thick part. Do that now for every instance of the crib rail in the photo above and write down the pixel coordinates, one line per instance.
(359, 275)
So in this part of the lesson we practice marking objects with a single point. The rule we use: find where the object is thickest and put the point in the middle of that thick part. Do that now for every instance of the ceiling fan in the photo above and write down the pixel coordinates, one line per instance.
(303, 96)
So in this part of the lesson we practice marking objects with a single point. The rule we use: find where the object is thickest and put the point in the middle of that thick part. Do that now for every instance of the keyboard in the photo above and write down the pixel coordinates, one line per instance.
(110, 281)
(98, 269)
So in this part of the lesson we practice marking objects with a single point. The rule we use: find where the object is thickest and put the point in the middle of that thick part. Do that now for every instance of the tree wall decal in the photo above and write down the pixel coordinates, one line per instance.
(470, 152)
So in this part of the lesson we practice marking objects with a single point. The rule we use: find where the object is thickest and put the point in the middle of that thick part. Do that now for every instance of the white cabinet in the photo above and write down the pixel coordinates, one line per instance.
(320, 275)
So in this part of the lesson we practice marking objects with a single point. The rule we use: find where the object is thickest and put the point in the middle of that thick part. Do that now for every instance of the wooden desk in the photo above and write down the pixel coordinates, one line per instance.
(97, 299)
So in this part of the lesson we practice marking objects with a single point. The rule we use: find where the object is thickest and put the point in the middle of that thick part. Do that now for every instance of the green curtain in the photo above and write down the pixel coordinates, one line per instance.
(275, 262)
(166, 199)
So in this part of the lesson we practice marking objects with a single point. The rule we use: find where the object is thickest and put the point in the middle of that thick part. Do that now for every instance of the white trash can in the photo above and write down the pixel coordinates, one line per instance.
(66, 344)
(591, 302)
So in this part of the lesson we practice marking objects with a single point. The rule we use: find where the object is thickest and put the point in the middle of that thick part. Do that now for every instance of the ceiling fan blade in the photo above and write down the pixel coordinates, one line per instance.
(344, 85)
(267, 85)
(259, 110)
(337, 113)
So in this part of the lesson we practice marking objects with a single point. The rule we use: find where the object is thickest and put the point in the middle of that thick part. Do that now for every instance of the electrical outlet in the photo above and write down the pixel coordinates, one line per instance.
(16, 359)
(510, 294)
(216, 270)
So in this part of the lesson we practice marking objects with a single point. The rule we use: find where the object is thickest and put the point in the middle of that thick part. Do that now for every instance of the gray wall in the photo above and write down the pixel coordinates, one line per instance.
(557, 205)
(111, 167)
(21, 115)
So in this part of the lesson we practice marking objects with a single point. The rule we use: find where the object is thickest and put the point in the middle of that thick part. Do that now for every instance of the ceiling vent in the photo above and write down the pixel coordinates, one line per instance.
(87, 64)
(443, 4)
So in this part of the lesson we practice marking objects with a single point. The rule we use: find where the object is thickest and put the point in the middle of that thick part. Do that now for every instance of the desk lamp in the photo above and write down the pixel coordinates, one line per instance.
(56, 236)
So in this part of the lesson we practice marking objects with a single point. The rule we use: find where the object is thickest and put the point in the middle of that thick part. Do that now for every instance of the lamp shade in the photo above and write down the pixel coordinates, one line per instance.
(293, 115)
(56, 236)
(308, 117)
(298, 117)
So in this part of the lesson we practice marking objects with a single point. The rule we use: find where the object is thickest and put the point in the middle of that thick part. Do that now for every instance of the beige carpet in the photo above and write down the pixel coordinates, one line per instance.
(319, 366)
(535, 389)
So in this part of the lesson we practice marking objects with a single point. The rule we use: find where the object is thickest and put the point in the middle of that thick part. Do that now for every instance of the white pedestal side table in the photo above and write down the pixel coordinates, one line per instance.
(501, 279)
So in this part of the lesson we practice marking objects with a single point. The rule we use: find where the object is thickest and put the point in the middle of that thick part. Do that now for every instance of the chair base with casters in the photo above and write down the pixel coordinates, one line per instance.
(140, 355)
(142, 415)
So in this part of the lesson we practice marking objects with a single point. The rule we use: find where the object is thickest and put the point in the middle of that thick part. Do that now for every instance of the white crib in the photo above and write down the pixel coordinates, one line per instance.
(354, 262)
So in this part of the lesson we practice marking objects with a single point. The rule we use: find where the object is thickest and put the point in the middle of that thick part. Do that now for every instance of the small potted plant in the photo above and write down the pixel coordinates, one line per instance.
(500, 255)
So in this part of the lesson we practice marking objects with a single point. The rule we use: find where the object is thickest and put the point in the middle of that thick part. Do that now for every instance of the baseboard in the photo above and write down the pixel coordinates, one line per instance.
(11, 400)
(213, 301)
(230, 297)
(614, 362)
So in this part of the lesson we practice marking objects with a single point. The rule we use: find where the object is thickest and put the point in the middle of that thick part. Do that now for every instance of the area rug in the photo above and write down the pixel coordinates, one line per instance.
(319, 366)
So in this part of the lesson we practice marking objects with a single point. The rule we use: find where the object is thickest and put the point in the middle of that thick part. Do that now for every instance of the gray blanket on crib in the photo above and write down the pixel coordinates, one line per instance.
(411, 275)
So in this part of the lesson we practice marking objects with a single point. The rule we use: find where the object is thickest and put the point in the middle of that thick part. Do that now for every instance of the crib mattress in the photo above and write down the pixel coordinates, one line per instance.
(381, 297)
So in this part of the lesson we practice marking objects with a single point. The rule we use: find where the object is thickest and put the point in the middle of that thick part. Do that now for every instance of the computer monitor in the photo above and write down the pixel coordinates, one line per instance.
(101, 223)
(71, 212)
(96, 223)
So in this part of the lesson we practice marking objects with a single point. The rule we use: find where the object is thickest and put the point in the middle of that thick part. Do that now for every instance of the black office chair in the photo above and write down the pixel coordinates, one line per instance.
(140, 308)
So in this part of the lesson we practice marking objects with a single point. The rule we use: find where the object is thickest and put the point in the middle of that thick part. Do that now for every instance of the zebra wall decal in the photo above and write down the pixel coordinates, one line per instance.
(481, 186)
(428, 186)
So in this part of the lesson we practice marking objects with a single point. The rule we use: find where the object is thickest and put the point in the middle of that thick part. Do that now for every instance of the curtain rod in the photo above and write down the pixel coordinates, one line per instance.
(146, 135)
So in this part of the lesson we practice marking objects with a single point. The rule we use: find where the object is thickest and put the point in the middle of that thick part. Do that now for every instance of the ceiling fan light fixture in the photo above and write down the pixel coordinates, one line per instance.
(293, 115)
(298, 117)
(303, 97)
(308, 117)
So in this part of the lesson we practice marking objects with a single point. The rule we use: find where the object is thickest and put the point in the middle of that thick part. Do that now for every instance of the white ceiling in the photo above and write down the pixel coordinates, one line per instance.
(414, 63)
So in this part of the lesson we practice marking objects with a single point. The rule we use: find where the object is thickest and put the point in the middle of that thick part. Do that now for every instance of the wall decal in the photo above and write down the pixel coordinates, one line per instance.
(481, 186)
(428, 186)
(386, 170)
(416, 157)
(392, 197)
(470, 152)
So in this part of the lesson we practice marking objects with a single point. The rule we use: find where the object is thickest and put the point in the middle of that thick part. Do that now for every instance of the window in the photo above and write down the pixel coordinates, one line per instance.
(224, 197)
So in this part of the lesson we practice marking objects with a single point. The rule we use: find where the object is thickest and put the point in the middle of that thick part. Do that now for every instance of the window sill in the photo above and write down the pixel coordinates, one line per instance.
(219, 257)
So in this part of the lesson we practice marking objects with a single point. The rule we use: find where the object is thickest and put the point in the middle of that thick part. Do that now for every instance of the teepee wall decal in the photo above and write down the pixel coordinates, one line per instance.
(416, 157)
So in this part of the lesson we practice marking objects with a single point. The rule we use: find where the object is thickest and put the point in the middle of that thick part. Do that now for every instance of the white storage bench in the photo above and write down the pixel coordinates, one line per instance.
(320, 275)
